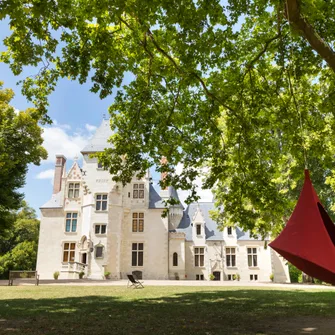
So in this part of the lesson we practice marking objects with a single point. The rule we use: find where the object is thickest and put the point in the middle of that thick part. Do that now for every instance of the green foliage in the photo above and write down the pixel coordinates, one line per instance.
(295, 274)
(56, 275)
(221, 89)
(272, 277)
(211, 276)
(81, 274)
(20, 145)
(18, 245)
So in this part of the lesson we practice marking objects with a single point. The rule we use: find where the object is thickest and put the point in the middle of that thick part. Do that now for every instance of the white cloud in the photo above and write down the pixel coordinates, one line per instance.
(57, 140)
(46, 174)
(62, 126)
(90, 127)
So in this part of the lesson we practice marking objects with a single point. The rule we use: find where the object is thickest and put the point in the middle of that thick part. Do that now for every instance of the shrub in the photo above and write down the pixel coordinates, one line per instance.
(56, 275)
(211, 276)
(272, 276)
(318, 281)
(237, 276)
(81, 274)
(294, 273)
(107, 275)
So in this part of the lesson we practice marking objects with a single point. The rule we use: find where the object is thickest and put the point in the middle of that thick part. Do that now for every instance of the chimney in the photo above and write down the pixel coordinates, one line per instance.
(164, 193)
(59, 170)
(164, 174)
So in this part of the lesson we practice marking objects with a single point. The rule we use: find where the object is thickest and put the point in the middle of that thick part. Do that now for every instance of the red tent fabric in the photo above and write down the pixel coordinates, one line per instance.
(308, 239)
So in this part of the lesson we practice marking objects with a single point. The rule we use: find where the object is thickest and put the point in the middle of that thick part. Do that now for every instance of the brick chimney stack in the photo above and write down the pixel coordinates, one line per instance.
(164, 193)
(164, 174)
(59, 170)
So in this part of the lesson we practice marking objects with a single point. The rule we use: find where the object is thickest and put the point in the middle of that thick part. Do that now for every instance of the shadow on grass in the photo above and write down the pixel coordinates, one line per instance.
(240, 311)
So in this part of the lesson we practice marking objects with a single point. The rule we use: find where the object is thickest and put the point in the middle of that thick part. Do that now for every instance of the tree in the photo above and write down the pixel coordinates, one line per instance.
(244, 90)
(20, 144)
(18, 245)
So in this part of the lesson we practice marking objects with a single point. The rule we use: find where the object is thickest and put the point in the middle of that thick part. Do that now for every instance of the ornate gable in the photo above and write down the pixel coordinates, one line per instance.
(74, 173)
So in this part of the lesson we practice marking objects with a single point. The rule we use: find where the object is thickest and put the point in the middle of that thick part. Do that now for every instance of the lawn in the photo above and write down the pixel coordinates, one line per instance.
(164, 310)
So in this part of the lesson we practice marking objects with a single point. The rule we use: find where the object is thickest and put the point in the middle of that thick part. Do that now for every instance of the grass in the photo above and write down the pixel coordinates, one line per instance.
(164, 310)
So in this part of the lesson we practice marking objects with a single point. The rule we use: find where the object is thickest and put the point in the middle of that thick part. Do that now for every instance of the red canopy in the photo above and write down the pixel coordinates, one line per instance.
(308, 239)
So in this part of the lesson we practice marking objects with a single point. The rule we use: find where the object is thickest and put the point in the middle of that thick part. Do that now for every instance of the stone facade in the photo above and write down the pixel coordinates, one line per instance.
(93, 225)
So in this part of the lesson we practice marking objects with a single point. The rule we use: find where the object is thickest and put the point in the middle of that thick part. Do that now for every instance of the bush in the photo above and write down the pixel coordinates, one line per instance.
(272, 277)
(318, 281)
(295, 274)
(56, 275)
(211, 276)
(81, 274)
(107, 275)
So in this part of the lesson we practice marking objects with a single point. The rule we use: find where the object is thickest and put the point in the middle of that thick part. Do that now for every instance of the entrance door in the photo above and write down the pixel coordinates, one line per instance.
(84, 258)
(217, 275)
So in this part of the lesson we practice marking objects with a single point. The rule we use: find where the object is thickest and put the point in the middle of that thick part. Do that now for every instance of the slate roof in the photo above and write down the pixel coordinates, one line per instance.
(155, 201)
(211, 229)
(100, 139)
(54, 202)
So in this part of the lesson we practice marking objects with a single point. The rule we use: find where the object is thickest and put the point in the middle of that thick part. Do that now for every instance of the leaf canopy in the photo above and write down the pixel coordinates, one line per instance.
(244, 89)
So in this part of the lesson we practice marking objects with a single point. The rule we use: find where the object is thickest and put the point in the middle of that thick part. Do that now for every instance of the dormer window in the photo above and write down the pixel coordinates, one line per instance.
(101, 167)
(138, 191)
(230, 231)
(198, 228)
(73, 190)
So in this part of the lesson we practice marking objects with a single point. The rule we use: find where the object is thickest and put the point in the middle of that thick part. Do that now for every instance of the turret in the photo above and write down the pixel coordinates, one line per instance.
(175, 211)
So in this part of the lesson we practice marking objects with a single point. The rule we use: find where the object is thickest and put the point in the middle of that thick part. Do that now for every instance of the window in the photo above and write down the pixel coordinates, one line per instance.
(230, 231)
(175, 259)
(230, 277)
(100, 229)
(101, 202)
(199, 256)
(138, 222)
(69, 252)
(138, 191)
(253, 277)
(73, 190)
(100, 166)
(199, 277)
(230, 257)
(252, 257)
(99, 251)
(137, 254)
(71, 222)
(198, 229)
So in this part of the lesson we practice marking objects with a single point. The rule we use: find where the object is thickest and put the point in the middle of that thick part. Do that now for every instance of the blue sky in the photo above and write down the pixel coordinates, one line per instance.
(76, 113)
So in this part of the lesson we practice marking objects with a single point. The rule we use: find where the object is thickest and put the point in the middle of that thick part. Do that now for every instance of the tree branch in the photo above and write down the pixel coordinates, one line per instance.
(202, 83)
(301, 25)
